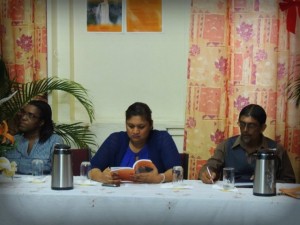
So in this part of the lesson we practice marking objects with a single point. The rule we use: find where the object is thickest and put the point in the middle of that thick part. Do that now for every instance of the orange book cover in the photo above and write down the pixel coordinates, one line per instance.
(140, 166)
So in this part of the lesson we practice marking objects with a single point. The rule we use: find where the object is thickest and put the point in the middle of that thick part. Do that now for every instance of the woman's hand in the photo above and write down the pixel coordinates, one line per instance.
(104, 177)
(147, 177)
(153, 177)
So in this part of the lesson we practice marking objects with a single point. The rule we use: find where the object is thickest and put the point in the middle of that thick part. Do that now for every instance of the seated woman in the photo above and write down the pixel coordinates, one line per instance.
(35, 138)
(139, 141)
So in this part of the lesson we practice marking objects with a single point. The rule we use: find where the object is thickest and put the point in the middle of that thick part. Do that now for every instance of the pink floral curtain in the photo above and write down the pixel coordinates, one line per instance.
(240, 53)
(23, 40)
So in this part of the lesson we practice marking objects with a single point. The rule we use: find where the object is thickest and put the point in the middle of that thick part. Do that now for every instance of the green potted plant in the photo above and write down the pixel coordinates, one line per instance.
(20, 94)
(293, 88)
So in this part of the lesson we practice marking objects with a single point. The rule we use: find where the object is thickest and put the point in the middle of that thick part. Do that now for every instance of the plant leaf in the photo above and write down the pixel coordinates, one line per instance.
(31, 90)
(76, 133)
(293, 88)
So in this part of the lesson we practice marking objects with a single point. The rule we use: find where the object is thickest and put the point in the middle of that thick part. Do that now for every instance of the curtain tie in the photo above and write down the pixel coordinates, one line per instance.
(291, 7)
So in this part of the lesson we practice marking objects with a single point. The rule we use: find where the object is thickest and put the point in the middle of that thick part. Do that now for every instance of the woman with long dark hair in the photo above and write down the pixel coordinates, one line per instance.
(35, 138)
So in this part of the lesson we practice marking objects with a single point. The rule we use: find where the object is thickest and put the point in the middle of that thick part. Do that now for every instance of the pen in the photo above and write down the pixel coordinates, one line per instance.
(210, 175)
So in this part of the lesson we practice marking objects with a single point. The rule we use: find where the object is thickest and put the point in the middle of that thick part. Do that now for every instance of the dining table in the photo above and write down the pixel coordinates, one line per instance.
(28, 200)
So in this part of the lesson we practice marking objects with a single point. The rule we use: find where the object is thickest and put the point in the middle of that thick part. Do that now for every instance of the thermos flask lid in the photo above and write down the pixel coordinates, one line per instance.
(265, 154)
(61, 147)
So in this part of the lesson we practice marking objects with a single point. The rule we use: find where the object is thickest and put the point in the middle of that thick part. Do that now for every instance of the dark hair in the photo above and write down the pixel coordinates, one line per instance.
(255, 111)
(139, 109)
(46, 115)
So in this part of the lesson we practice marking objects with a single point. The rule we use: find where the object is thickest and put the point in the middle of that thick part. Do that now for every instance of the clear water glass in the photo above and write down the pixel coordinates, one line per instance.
(228, 178)
(37, 169)
(177, 175)
(85, 167)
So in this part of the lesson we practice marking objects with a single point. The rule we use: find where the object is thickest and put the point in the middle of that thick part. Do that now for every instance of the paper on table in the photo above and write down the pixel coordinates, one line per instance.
(176, 186)
(244, 185)
(220, 187)
(36, 180)
(85, 182)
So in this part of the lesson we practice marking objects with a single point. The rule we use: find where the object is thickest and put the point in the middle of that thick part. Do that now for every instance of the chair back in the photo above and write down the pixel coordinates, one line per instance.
(185, 164)
(78, 156)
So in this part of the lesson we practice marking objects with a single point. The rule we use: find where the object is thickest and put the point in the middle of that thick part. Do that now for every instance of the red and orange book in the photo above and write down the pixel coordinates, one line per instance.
(140, 166)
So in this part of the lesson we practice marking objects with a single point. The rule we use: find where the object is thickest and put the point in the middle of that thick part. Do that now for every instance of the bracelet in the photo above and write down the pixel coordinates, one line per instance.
(163, 177)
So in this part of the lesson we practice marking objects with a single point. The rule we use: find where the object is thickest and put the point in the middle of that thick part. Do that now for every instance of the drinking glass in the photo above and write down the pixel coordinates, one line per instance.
(85, 167)
(228, 178)
(177, 175)
(37, 169)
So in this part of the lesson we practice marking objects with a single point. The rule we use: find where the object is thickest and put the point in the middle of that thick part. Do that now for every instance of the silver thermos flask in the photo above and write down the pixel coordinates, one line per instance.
(265, 173)
(62, 173)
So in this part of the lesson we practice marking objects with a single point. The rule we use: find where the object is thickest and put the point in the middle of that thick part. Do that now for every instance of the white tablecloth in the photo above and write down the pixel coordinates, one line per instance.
(25, 202)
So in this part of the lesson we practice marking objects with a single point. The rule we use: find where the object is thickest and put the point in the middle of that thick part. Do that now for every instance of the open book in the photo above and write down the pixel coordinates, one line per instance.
(140, 166)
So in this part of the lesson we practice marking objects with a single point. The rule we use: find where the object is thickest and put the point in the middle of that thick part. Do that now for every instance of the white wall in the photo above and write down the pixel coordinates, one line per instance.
(120, 68)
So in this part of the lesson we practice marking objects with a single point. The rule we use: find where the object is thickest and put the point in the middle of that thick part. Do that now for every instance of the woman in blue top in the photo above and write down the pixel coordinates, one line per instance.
(35, 138)
(139, 141)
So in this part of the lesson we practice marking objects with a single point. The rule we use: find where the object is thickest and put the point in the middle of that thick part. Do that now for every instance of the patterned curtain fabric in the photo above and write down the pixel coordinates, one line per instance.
(23, 38)
(240, 53)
